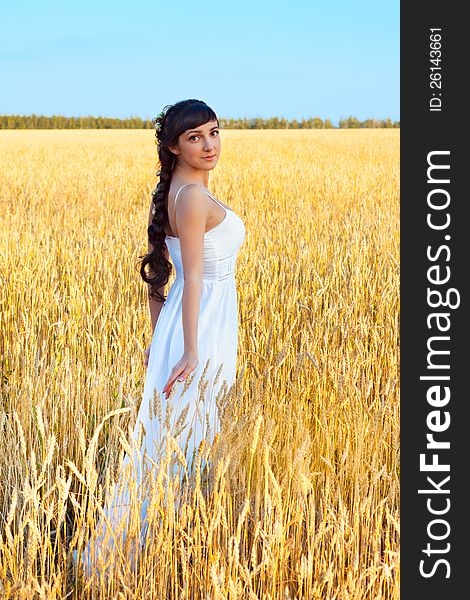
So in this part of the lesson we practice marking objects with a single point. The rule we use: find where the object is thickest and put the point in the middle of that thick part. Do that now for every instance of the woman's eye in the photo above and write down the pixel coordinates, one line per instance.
(196, 136)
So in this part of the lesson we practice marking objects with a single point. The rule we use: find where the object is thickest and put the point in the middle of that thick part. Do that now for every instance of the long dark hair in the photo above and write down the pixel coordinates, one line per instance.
(169, 124)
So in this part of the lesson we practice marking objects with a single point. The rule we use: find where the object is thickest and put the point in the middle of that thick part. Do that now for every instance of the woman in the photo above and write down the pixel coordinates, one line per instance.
(191, 360)
(196, 328)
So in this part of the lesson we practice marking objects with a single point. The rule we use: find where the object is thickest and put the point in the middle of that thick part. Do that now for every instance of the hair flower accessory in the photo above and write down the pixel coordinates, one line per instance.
(158, 121)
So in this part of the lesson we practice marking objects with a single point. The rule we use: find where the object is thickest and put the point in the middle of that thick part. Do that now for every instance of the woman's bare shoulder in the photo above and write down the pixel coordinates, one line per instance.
(187, 190)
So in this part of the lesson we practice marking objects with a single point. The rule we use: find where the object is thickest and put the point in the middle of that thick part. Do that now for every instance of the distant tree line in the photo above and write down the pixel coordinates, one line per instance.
(61, 122)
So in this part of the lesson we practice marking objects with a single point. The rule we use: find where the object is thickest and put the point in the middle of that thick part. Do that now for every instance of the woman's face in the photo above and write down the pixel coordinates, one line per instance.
(194, 145)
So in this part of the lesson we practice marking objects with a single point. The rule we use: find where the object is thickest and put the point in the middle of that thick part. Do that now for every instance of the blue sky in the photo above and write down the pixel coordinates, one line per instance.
(245, 58)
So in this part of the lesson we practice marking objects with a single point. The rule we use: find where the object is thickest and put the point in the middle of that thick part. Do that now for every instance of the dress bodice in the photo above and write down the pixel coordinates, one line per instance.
(221, 245)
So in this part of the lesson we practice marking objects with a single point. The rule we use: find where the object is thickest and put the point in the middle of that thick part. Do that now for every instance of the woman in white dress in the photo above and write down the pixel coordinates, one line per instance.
(193, 352)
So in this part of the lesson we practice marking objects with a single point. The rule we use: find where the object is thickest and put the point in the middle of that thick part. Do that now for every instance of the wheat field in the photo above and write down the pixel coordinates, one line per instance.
(303, 499)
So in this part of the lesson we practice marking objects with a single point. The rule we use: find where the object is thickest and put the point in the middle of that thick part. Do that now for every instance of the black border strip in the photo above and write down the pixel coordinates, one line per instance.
(434, 251)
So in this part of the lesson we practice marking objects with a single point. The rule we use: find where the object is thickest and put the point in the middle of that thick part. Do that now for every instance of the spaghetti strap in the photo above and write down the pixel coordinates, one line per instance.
(207, 192)
(221, 205)
(176, 196)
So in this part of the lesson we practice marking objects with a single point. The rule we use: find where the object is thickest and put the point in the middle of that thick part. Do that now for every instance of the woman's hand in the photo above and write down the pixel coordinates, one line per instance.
(146, 356)
(188, 362)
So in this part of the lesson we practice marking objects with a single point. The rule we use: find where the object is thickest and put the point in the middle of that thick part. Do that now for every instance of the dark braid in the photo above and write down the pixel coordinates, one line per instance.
(169, 124)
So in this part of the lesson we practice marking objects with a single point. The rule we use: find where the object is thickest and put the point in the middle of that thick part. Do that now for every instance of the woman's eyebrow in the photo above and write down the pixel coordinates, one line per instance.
(200, 130)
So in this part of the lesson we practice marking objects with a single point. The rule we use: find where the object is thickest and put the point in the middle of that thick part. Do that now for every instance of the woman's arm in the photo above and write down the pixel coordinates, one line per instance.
(154, 305)
(191, 217)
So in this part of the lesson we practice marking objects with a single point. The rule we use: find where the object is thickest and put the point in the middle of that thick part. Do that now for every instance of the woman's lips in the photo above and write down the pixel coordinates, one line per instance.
(209, 157)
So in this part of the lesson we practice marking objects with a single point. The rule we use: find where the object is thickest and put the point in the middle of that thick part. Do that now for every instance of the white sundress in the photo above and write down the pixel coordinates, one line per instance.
(217, 340)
